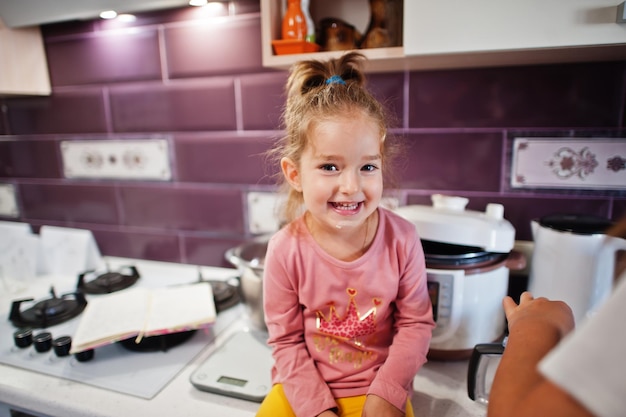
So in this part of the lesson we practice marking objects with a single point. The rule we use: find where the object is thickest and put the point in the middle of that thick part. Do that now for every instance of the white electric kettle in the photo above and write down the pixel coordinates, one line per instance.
(573, 261)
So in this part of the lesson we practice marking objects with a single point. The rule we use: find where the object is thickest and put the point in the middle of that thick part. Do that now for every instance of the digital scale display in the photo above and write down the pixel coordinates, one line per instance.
(232, 381)
(240, 368)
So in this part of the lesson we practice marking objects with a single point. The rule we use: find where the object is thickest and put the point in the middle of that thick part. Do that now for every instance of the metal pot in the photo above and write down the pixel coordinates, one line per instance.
(248, 258)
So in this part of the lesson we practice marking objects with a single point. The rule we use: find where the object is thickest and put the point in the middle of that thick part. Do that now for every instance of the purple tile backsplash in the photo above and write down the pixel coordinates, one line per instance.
(452, 161)
(203, 48)
(69, 203)
(188, 208)
(225, 159)
(29, 159)
(80, 111)
(105, 57)
(199, 83)
(573, 95)
(185, 106)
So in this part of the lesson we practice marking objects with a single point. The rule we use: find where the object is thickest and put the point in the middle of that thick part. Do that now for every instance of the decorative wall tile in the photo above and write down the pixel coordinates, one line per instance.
(190, 106)
(573, 95)
(446, 161)
(183, 208)
(110, 56)
(70, 203)
(62, 112)
(23, 158)
(228, 159)
(569, 163)
(207, 47)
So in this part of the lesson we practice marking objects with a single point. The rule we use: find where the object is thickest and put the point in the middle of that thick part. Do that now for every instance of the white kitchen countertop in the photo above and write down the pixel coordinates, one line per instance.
(440, 390)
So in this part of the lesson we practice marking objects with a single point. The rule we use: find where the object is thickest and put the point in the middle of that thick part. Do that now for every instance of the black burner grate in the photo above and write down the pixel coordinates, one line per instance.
(48, 312)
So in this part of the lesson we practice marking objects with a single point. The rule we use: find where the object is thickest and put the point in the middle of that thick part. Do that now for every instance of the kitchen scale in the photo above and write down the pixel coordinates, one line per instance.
(240, 368)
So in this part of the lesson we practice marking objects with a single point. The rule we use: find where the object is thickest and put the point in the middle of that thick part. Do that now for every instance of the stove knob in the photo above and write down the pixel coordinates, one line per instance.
(84, 356)
(23, 338)
(62, 345)
(43, 342)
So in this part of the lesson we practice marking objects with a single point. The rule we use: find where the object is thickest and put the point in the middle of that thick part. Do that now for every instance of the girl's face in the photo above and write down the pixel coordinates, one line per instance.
(340, 173)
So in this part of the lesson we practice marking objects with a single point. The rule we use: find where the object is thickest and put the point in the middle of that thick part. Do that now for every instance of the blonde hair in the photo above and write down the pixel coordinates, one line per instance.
(321, 91)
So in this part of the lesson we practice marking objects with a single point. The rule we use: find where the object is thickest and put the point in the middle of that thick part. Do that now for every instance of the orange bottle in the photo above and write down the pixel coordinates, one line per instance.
(294, 21)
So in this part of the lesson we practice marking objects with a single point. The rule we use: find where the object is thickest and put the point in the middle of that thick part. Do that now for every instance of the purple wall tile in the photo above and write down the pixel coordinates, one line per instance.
(182, 107)
(575, 95)
(619, 209)
(80, 203)
(214, 47)
(225, 159)
(262, 100)
(388, 88)
(4, 125)
(29, 159)
(246, 6)
(206, 251)
(110, 56)
(75, 112)
(452, 161)
(221, 109)
(72, 27)
(172, 208)
(131, 244)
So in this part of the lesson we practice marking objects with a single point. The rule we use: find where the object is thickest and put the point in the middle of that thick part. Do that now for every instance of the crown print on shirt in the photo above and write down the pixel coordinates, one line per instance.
(352, 326)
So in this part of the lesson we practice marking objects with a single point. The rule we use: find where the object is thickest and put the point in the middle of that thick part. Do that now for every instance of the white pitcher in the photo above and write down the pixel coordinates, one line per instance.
(573, 261)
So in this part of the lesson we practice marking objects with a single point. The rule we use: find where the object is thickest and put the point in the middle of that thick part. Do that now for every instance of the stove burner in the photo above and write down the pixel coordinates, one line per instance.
(48, 312)
(108, 282)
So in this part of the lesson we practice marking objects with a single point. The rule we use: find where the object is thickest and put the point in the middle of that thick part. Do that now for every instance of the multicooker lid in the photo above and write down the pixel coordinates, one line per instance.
(447, 221)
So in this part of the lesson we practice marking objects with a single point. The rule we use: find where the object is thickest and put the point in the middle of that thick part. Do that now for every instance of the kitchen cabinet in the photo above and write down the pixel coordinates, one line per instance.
(355, 12)
(23, 64)
(458, 34)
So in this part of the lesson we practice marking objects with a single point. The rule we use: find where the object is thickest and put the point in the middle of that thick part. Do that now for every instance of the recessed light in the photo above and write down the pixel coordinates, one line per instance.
(126, 17)
(198, 2)
(108, 14)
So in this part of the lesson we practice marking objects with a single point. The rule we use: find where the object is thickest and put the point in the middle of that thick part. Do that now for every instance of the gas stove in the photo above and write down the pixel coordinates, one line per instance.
(40, 324)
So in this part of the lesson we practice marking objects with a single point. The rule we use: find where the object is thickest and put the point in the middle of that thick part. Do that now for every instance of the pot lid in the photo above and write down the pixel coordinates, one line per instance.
(577, 224)
(448, 221)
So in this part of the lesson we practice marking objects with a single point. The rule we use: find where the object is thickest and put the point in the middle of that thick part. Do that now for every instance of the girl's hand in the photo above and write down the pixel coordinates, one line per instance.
(538, 311)
(376, 406)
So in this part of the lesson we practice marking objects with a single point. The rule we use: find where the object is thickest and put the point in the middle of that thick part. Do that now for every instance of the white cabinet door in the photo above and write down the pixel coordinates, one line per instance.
(23, 64)
(461, 26)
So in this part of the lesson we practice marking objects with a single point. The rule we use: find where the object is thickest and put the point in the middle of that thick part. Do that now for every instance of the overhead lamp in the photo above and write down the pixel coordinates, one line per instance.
(126, 18)
(108, 14)
(198, 3)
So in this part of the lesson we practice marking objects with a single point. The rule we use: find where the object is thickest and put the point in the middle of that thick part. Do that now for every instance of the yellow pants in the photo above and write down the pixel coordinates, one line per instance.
(276, 405)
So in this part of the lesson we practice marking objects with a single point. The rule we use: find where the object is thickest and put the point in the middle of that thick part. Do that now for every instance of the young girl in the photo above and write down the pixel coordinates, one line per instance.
(345, 296)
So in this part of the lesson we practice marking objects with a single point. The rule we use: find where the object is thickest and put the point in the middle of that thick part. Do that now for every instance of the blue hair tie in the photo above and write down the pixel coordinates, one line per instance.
(335, 79)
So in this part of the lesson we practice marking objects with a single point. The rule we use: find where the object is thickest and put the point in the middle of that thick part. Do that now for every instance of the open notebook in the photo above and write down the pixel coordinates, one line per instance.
(144, 312)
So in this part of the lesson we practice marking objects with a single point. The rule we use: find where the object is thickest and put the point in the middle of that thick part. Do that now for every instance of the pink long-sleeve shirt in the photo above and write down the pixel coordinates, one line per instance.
(340, 329)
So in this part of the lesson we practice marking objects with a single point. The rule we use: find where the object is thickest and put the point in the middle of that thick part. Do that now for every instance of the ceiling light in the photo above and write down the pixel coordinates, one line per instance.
(108, 14)
(126, 18)
(198, 2)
